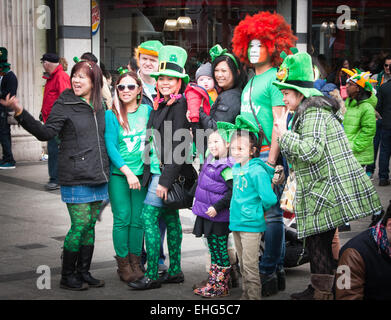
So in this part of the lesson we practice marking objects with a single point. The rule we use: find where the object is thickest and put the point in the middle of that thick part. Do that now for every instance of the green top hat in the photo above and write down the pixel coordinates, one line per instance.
(296, 73)
(4, 65)
(172, 61)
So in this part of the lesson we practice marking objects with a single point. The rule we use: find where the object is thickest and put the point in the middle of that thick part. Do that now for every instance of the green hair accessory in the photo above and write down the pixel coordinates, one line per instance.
(217, 51)
(122, 70)
(227, 129)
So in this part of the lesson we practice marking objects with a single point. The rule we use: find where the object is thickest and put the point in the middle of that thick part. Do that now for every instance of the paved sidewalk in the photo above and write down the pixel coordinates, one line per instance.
(34, 223)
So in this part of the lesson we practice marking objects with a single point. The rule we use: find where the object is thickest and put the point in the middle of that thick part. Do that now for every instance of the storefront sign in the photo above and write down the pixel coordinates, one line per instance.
(95, 15)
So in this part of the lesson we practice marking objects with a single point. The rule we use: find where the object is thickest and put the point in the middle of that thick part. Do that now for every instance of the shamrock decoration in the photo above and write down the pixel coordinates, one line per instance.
(122, 70)
(173, 58)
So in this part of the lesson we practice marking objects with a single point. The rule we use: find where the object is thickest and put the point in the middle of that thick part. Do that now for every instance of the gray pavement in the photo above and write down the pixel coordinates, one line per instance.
(34, 222)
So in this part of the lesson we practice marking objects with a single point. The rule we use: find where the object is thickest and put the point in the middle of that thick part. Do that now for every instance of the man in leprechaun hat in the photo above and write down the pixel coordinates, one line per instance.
(258, 41)
(332, 188)
(146, 55)
(8, 85)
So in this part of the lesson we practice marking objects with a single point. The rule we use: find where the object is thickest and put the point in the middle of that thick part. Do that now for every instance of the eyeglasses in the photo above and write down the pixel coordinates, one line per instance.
(387, 65)
(131, 87)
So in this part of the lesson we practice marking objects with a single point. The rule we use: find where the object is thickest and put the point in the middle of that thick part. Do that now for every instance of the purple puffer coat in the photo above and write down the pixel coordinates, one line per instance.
(211, 188)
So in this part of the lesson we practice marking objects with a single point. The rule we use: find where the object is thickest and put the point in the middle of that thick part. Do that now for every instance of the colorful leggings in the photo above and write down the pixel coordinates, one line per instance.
(218, 250)
(83, 219)
(150, 217)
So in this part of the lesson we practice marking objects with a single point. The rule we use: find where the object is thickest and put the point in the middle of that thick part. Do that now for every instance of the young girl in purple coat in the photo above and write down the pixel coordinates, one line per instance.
(211, 205)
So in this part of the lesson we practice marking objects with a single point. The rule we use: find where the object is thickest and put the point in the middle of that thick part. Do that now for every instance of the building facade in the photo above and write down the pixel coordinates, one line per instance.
(357, 30)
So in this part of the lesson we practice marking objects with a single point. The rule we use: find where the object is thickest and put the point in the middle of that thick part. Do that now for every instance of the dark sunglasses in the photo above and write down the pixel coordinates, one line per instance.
(387, 65)
(131, 87)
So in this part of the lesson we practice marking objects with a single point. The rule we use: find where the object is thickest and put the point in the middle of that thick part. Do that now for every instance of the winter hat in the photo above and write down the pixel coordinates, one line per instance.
(150, 48)
(204, 70)
(361, 78)
(50, 57)
(172, 61)
(4, 65)
(296, 73)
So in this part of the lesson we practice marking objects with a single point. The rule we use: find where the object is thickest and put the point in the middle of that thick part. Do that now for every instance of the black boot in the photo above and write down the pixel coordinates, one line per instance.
(281, 279)
(145, 284)
(269, 283)
(69, 280)
(83, 267)
(307, 294)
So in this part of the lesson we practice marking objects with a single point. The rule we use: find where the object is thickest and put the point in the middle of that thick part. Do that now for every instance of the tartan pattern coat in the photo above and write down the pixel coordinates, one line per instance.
(332, 187)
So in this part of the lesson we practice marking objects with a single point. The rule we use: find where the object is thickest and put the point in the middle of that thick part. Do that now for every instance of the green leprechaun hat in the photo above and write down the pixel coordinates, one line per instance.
(296, 73)
(4, 65)
(172, 61)
(150, 47)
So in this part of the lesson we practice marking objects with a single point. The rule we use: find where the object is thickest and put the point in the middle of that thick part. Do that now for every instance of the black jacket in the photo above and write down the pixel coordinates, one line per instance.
(226, 108)
(82, 157)
(9, 84)
(384, 104)
(170, 118)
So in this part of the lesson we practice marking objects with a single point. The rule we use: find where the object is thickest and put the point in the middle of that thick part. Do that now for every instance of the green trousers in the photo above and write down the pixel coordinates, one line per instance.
(150, 217)
(83, 220)
(127, 205)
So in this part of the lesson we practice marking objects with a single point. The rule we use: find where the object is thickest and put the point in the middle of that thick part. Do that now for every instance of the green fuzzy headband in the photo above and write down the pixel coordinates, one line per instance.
(227, 129)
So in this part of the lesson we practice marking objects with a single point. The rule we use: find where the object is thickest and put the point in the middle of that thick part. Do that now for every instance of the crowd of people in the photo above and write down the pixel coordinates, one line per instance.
(132, 145)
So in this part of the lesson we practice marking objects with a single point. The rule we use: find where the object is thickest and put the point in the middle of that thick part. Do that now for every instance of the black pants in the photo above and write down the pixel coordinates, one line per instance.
(5, 137)
(320, 252)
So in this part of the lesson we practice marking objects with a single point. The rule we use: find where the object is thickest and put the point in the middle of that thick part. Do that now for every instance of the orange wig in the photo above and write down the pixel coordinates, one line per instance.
(270, 28)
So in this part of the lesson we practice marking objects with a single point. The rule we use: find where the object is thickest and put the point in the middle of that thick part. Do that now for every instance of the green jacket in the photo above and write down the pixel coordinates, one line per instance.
(252, 195)
(332, 187)
(360, 127)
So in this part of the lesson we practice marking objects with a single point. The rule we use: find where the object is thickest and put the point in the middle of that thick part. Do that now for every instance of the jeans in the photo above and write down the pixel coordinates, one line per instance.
(52, 161)
(384, 155)
(376, 143)
(5, 137)
(274, 253)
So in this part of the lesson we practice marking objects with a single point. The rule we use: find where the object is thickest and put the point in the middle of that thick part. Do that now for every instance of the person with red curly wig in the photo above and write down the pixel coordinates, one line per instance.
(258, 41)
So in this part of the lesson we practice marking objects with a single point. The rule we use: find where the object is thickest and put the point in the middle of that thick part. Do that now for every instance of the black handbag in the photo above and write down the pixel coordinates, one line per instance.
(181, 193)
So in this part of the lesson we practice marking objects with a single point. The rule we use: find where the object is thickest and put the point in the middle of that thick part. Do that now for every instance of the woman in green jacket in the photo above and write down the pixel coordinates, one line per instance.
(360, 120)
(332, 188)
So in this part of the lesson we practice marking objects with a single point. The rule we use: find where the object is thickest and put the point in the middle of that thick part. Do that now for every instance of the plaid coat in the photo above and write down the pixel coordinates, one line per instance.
(332, 187)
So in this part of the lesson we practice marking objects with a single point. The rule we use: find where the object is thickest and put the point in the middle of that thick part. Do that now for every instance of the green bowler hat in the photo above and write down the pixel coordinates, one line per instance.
(172, 61)
(4, 65)
(296, 73)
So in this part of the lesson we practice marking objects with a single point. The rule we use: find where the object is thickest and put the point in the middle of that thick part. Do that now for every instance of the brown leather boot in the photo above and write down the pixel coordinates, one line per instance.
(135, 262)
(323, 285)
(124, 270)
